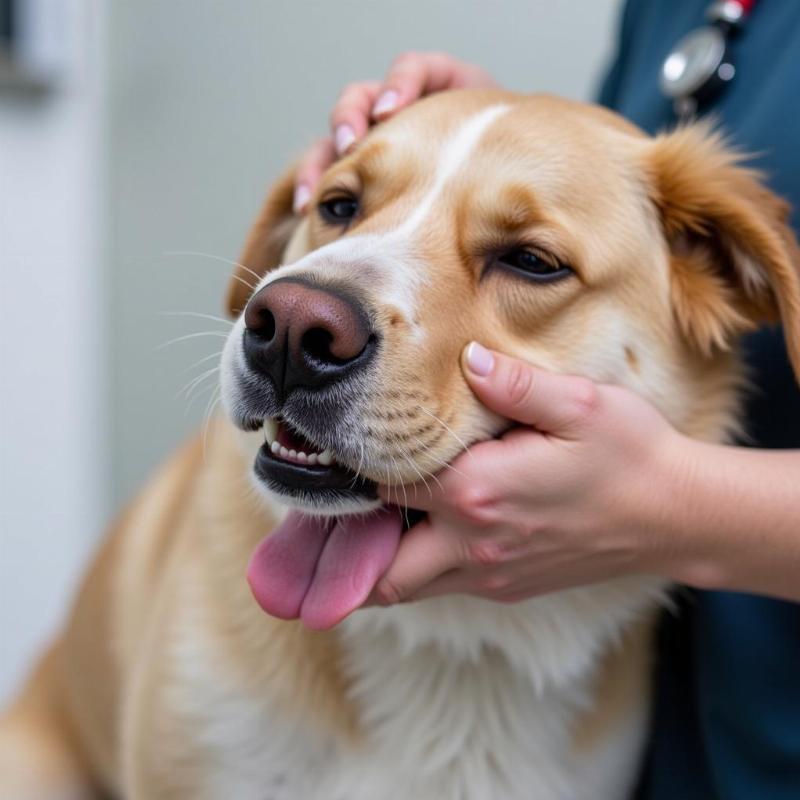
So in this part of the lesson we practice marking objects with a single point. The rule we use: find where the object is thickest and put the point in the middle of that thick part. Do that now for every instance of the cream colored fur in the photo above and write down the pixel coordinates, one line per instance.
(169, 682)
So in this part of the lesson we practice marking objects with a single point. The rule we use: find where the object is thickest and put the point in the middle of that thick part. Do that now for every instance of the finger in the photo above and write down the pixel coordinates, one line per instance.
(318, 158)
(413, 75)
(350, 116)
(430, 495)
(554, 403)
(426, 552)
(455, 581)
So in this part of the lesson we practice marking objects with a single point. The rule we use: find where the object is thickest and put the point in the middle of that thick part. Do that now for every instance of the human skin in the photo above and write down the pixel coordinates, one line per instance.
(594, 483)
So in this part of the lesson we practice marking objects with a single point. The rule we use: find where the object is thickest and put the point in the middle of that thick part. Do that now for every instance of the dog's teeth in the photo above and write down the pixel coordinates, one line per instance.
(270, 429)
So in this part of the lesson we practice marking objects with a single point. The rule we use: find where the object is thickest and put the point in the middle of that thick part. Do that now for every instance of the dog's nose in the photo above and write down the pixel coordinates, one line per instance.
(302, 335)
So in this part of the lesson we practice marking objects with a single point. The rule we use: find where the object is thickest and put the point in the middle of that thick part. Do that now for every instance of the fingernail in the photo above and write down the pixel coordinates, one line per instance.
(385, 103)
(343, 138)
(302, 194)
(479, 359)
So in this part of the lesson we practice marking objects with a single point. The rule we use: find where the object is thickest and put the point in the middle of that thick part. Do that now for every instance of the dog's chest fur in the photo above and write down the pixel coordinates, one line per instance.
(455, 698)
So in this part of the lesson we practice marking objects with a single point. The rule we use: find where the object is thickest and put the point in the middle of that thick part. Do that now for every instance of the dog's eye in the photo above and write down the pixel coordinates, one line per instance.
(534, 266)
(338, 210)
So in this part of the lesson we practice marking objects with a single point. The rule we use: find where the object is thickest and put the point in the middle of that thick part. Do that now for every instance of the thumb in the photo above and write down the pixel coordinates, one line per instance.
(550, 402)
(426, 552)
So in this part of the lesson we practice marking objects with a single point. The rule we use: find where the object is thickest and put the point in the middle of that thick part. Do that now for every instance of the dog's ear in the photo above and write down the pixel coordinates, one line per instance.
(265, 243)
(735, 261)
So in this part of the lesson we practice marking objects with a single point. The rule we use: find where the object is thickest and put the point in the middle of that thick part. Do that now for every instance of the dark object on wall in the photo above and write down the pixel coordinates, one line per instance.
(32, 43)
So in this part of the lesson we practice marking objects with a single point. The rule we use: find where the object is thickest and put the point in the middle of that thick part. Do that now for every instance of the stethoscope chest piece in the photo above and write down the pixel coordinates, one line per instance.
(700, 64)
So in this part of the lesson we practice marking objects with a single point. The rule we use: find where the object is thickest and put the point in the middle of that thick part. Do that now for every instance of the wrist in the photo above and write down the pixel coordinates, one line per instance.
(677, 546)
(700, 547)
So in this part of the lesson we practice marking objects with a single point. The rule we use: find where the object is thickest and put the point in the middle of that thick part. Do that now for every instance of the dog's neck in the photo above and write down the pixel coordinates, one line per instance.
(551, 641)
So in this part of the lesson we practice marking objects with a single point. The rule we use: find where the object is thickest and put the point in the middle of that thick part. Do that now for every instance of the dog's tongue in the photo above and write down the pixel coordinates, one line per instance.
(319, 570)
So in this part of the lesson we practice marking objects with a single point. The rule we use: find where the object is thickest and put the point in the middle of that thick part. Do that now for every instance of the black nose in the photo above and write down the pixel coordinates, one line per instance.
(302, 335)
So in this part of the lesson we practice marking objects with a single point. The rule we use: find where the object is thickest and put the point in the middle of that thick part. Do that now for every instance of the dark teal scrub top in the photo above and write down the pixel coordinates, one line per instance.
(727, 709)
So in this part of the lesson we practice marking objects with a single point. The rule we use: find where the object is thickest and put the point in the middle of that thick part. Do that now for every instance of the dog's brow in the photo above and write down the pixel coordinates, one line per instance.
(454, 153)
(387, 250)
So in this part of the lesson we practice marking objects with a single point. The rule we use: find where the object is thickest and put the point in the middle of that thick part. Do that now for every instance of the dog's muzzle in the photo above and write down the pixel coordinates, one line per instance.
(303, 376)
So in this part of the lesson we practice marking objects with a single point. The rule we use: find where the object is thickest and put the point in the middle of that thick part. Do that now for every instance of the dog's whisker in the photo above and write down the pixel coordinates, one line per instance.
(357, 472)
(432, 476)
(215, 398)
(203, 360)
(191, 336)
(228, 261)
(197, 379)
(417, 470)
(443, 464)
(196, 396)
(360, 457)
(187, 390)
(250, 286)
(402, 484)
(388, 476)
(448, 429)
(227, 322)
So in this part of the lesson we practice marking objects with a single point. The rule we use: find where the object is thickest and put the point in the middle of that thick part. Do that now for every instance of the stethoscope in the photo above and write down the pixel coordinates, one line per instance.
(700, 65)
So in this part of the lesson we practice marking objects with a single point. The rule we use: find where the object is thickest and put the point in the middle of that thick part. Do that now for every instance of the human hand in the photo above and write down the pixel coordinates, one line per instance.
(573, 497)
(411, 77)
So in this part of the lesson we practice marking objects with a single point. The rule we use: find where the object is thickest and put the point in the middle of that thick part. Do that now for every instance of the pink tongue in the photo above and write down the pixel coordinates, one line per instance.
(322, 571)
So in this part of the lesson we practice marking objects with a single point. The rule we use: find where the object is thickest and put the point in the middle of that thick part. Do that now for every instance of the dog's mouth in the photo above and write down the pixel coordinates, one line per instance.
(316, 566)
(292, 466)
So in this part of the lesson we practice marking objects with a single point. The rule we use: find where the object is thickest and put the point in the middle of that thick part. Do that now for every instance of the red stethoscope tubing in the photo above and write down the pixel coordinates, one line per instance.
(746, 5)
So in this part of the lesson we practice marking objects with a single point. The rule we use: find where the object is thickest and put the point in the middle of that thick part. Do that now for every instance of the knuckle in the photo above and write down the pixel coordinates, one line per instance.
(343, 106)
(475, 503)
(352, 93)
(307, 167)
(388, 593)
(516, 535)
(509, 599)
(341, 113)
(586, 397)
(304, 166)
(519, 384)
(493, 583)
(320, 148)
(484, 553)
(313, 161)
(406, 58)
(441, 58)
(362, 87)
(347, 90)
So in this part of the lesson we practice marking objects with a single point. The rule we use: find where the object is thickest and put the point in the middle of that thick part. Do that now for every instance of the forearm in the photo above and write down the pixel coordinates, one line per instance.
(731, 519)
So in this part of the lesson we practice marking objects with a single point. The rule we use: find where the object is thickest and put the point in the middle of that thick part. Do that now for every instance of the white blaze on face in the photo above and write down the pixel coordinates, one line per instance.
(385, 260)
(453, 154)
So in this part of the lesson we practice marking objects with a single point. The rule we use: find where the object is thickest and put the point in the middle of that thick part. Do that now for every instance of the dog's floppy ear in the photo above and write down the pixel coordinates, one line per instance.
(735, 261)
(265, 243)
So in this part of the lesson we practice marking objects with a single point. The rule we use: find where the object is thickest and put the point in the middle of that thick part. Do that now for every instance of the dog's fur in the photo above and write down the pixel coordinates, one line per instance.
(170, 682)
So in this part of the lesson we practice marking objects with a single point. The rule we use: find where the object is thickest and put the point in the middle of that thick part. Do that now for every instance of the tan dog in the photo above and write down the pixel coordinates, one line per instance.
(550, 230)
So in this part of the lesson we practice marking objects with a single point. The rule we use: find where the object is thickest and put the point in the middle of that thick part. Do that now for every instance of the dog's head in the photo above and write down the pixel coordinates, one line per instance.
(549, 230)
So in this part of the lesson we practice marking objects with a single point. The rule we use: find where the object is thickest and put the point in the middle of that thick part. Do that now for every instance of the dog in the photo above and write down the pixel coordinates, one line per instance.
(548, 229)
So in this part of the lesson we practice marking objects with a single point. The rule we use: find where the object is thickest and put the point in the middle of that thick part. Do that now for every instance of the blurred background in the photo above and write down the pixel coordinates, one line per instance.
(137, 139)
